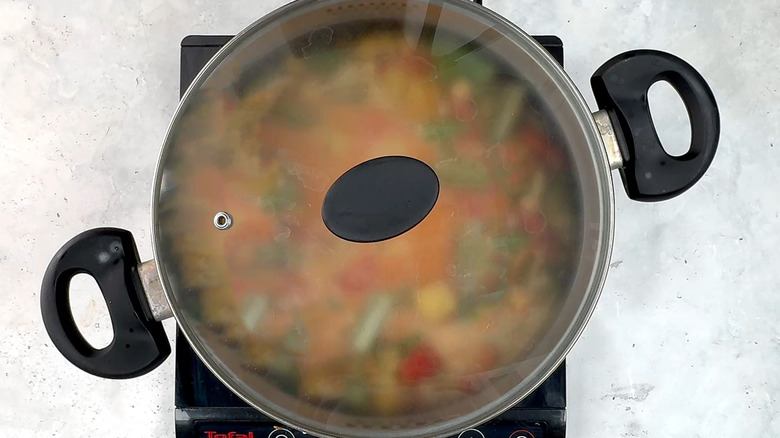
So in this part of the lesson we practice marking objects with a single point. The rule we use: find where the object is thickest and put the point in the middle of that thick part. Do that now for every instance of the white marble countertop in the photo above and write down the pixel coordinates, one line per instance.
(685, 340)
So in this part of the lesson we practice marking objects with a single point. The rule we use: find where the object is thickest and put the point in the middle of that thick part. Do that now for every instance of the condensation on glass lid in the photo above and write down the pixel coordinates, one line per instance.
(372, 329)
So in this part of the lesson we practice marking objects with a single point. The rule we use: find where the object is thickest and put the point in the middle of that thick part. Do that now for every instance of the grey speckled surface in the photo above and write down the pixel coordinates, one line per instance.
(685, 340)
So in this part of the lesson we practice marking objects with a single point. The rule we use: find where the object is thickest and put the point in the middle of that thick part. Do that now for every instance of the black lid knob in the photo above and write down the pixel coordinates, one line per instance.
(380, 199)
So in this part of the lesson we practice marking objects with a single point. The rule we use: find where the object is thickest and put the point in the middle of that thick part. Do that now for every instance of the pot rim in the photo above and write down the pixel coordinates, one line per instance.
(599, 270)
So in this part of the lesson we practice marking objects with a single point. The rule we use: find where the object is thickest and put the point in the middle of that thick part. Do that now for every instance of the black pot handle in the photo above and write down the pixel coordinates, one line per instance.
(110, 256)
(621, 86)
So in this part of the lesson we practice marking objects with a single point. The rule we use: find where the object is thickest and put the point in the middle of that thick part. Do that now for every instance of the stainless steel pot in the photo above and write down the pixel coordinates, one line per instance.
(620, 136)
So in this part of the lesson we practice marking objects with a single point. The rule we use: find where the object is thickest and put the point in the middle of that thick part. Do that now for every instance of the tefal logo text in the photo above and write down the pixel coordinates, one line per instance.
(212, 434)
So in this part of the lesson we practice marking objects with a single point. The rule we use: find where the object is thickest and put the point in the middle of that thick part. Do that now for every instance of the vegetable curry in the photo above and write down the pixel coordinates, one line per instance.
(406, 324)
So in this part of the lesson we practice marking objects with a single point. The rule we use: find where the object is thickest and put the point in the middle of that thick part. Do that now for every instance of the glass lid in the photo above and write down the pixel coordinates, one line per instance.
(375, 217)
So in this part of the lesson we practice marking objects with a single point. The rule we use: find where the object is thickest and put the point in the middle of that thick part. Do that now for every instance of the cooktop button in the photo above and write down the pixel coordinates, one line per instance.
(522, 434)
(471, 433)
(281, 433)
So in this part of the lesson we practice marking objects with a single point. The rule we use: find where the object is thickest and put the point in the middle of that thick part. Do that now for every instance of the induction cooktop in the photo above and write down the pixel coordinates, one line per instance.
(206, 408)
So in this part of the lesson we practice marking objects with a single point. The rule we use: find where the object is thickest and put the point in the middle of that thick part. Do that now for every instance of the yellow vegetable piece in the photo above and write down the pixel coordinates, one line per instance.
(422, 101)
(519, 300)
(389, 360)
(379, 46)
(257, 353)
(395, 84)
(322, 385)
(436, 302)
(461, 90)
(387, 395)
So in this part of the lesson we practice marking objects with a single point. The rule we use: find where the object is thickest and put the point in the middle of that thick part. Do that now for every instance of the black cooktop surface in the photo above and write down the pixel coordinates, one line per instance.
(205, 408)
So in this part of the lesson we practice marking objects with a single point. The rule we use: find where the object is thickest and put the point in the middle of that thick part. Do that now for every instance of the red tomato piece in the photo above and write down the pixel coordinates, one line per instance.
(534, 222)
(422, 362)
(465, 110)
(417, 65)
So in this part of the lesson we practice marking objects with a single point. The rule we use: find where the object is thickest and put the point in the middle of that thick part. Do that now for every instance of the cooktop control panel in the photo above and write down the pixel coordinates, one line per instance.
(254, 430)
